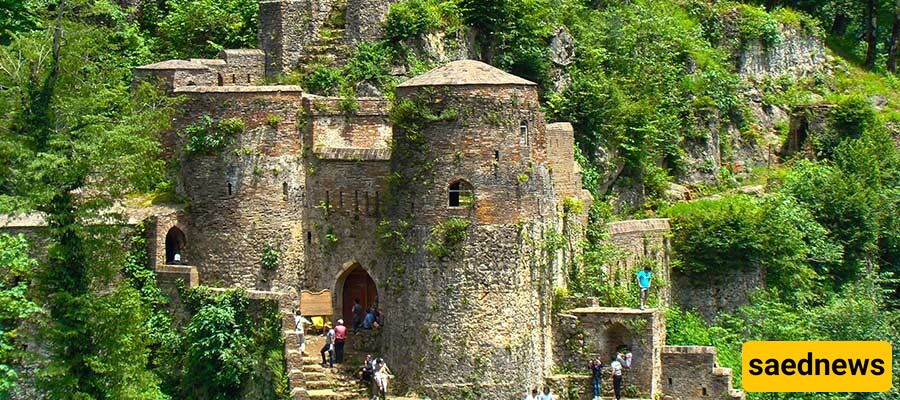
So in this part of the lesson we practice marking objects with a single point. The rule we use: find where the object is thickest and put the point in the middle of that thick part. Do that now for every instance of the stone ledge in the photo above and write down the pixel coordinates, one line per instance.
(611, 310)
(639, 225)
(186, 272)
(689, 350)
(352, 154)
(292, 89)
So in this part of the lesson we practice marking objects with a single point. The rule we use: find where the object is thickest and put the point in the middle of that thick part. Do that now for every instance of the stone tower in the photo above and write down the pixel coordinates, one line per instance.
(469, 146)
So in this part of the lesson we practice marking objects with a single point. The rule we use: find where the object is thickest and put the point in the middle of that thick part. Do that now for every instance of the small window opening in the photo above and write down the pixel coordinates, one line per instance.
(284, 190)
(221, 80)
(340, 199)
(308, 237)
(248, 78)
(367, 202)
(233, 79)
(523, 129)
(229, 188)
(670, 382)
(461, 194)
(704, 392)
(356, 200)
(497, 155)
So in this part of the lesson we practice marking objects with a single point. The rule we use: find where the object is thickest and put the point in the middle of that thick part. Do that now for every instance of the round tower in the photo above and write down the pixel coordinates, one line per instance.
(466, 292)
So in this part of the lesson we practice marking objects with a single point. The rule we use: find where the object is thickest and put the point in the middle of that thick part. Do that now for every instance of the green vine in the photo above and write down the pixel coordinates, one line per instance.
(446, 237)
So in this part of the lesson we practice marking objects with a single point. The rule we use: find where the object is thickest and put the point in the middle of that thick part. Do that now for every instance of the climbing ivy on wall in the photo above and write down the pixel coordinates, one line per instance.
(446, 238)
(208, 136)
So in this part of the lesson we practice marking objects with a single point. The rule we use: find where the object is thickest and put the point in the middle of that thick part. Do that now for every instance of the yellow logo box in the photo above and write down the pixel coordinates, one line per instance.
(816, 366)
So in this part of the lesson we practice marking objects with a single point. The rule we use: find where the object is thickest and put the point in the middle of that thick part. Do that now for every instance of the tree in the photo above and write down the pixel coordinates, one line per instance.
(895, 37)
(871, 33)
(16, 270)
(74, 139)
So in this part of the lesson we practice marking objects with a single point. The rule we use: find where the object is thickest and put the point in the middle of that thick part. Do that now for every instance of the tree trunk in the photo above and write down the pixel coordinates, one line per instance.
(895, 36)
(839, 26)
(871, 34)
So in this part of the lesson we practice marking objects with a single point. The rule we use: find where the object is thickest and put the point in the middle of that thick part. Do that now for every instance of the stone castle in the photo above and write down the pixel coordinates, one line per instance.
(456, 212)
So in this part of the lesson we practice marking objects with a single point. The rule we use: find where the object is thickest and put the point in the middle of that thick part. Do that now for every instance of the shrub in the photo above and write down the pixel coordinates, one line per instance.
(446, 236)
(325, 81)
(409, 18)
(208, 136)
(270, 258)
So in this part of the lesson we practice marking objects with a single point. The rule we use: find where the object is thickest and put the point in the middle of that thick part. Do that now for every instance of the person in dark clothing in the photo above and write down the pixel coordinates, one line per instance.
(357, 315)
(596, 368)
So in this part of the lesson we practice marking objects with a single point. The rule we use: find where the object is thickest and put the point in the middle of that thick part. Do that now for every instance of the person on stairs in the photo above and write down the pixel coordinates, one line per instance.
(340, 334)
(643, 277)
(596, 368)
(328, 347)
(616, 367)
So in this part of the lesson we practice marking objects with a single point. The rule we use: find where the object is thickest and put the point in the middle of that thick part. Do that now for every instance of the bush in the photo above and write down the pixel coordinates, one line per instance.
(207, 136)
(446, 237)
(741, 232)
(325, 81)
(409, 18)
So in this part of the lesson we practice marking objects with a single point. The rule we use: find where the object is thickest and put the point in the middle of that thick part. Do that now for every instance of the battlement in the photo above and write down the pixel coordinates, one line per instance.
(234, 67)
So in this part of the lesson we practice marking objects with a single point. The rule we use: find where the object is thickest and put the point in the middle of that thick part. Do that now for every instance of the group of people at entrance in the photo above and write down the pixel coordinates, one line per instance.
(621, 361)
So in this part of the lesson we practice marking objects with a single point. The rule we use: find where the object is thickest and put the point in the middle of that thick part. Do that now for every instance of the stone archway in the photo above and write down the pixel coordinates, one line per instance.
(175, 243)
(354, 282)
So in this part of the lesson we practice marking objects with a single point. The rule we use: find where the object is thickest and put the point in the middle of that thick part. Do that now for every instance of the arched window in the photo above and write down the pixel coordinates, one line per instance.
(461, 194)
(175, 241)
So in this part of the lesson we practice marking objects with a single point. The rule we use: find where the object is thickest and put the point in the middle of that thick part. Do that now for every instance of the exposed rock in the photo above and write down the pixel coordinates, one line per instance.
(678, 192)
(879, 101)
(752, 189)
(366, 89)
(798, 53)
(562, 47)
(559, 80)
(442, 47)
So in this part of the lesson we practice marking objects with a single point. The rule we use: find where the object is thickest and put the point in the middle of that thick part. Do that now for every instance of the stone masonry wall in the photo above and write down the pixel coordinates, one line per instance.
(484, 145)
(642, 239)
(287, 27)
(711, 294)
(692, 372)
(475, 327)
(584, 334)
(246, 197)
(365, 20)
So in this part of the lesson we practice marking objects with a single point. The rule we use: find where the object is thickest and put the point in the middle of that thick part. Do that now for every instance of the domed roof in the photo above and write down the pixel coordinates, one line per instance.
(465, 72)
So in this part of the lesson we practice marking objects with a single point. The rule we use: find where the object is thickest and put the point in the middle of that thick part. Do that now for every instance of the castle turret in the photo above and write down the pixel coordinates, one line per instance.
(471, 181)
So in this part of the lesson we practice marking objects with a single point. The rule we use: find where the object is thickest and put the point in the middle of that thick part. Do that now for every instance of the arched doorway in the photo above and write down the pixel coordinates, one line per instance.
(357, 285)
(175, 241)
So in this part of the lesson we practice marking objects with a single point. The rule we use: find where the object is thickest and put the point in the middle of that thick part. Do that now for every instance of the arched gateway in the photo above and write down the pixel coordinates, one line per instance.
(354, 283)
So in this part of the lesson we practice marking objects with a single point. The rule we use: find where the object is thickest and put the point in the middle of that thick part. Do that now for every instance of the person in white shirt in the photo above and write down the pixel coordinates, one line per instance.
(616, 367)
(533, 395)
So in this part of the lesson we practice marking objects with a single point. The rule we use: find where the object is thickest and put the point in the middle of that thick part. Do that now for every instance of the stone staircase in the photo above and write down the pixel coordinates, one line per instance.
(331, 47)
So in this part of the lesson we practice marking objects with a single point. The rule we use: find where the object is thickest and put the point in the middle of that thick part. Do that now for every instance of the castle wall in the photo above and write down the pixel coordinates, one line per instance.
(639, 240)
(331, 128)
(248, 196)
(365, 20)
(478, 319)
(345, 234)
(584, 334)
(484, 145)
(691, 372)
(287, 28)
(566, 173)
(712, 294)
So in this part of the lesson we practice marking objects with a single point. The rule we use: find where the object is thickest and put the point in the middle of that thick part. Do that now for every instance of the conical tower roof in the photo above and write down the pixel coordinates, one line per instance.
(465, 72)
